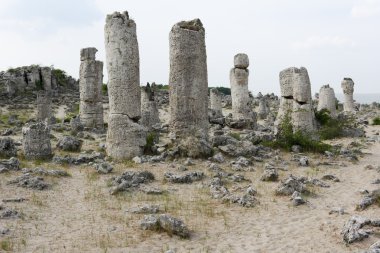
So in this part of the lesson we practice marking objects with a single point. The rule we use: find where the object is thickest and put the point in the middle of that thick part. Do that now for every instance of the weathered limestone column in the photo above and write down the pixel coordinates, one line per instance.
(90, 88)
(149, 110)
(348, 91)
(188, 88)
(36, 141)
(239, 87)
(125, 137)
(327, 100)
(286, 100)
(303, 118)
(188, 79)
(46, 78)
(216, 102)
(44, 105)
(263, 109)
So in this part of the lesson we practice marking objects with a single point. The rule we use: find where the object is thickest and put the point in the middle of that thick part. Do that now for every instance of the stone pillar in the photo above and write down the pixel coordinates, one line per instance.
(239, 87)
(286, 100)
(216, 102)
(348, 91)
(125, 137)
(263, 109)
(188, 79)
(90, 87)
(149, 111)
(327, 100)
(46, 78)
(36, 141)
(44, 110)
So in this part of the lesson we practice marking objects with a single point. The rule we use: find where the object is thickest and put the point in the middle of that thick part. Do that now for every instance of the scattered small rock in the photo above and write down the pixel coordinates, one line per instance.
(166, 223)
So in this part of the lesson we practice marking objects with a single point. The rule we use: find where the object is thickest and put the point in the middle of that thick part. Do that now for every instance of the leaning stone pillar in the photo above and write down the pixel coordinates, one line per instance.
(216, 102)
(239, 87)
(188, 86)
(327, 100)
(149, 110)
(125, 137)
(36, 141)
(90, 87)
(44, 105)
(348, 91)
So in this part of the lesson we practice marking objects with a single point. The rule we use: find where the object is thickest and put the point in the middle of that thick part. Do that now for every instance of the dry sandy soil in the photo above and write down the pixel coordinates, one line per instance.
(78, 214)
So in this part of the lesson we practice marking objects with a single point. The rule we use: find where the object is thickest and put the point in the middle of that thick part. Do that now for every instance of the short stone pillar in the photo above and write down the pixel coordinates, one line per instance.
(46, 78)
(216, 102)
(263, 109)
(149, 110)
(36, 141)
(327, 100)
(348, 91)
(188, 79)
(239, 87)
(44, 110)
(125, 137)
(90, 88)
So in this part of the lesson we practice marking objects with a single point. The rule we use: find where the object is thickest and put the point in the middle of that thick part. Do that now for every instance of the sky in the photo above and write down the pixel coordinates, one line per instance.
(333, 39)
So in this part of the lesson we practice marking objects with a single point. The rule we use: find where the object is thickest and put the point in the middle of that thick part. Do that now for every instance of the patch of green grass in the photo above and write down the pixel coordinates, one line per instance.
(151, 139)
(330, 127)
(104, 89)
(235, 135)
(6, 245)
(376, 121)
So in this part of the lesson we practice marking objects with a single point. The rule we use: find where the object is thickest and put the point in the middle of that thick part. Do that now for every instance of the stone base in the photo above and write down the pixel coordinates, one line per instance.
(125, 138)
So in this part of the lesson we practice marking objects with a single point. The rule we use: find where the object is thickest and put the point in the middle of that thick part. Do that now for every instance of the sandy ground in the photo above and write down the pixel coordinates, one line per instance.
(79, 215)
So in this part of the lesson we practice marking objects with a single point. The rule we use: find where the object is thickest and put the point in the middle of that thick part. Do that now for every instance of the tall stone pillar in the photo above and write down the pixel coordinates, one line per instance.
(216, 102)
(188, 87)
(327, 100)
(286, 100)
(239, 87)
(125, 137)
(90, 87)
(149, 111)
(303, 118)
(348, 91)
(188, 78)
(36, 141)
(44, 110)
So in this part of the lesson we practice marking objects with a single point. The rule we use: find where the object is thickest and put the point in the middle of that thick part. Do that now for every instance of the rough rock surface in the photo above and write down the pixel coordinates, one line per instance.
(130, 179)
(7, 147)
(290, 185)
(167, 223)
(327, 100)
(36, 141)
(348, 91)
(187, 178)
(44, 107)
(29, 181)
(10, 164)
(69, 143)
(149, 109)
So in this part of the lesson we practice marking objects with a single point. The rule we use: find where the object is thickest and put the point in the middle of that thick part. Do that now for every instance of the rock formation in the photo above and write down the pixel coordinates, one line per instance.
(348, 91)
(125, 137)
(188, 86)
(90, 87)
(44, 105)
(216, 102)
(36, 141)
(327, 100)
(296, 99)
(149, 109)
(263, 109)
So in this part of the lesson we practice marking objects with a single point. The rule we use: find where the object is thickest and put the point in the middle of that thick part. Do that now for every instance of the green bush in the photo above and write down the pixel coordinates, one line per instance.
(104, 89)
(60, 75)
(376, 121)
(223, 90)
(286, 138)
(151, 139)
(39, 84)
(330, 127)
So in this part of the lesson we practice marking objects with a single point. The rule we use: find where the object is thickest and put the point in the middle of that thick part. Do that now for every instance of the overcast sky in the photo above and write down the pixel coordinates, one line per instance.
(331, 38)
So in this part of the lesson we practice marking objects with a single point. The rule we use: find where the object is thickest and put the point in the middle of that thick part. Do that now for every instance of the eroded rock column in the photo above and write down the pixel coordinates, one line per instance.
(327, 100)
(286, 100)
(303, 118)
(90, 87)
(263, 109)
(36, 141)
(125, 137)
(149, 110)
(44, 110)
(216, 102)
(348, 91)
(46, 78)
(239, 87)
(188, 87)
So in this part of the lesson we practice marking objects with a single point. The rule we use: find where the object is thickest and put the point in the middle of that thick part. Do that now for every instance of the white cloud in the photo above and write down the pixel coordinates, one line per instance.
(366, 9)
(317, 41)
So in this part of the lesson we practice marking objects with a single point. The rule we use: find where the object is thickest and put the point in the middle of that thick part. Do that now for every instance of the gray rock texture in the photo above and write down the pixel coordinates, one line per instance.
(188, 79)
(44, 105)
(149, 109)
(125, 137)
(7, 147)
(348, 91)
(327, 100)
(90, 87)
(216, 102)
(36, 141)
(69, 143)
